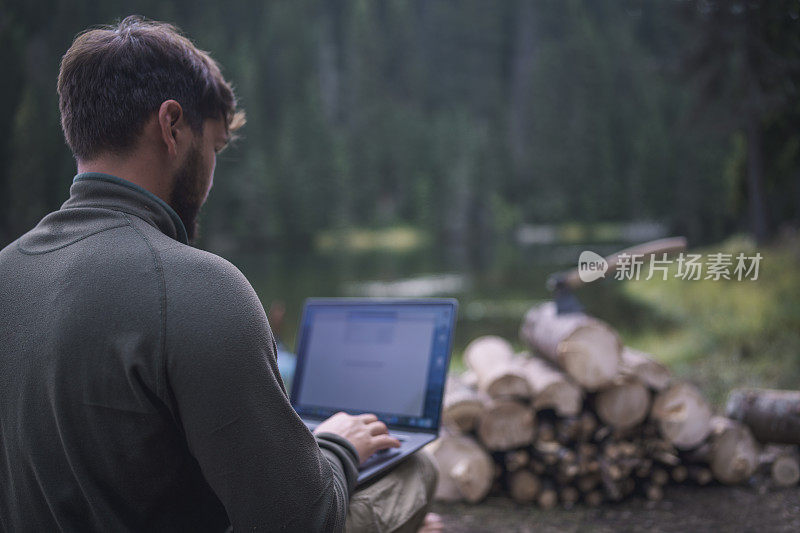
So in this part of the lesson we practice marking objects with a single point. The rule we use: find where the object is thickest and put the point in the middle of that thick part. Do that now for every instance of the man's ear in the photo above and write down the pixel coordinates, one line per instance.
(172, 124)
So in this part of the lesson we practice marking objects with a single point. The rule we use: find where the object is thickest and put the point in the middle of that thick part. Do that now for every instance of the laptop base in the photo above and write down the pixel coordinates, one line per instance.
(384, 460)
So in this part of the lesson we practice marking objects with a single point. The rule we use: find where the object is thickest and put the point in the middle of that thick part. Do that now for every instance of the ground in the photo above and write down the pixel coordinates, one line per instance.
(683, 509)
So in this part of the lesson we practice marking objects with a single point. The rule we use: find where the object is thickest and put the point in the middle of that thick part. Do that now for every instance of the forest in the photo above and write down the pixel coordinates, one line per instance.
(463, 120)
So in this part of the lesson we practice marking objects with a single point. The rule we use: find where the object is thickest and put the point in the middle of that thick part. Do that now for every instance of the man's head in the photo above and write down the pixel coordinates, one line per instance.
(141, 93)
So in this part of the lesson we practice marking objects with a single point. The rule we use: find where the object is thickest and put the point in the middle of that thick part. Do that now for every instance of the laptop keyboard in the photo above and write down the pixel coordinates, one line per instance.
(379, 457)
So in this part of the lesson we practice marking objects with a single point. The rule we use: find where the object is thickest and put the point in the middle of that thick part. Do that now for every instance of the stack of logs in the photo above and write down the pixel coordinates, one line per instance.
(586, 419)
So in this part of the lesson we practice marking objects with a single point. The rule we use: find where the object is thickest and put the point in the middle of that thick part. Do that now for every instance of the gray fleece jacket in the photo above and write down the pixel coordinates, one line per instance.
(139, 388)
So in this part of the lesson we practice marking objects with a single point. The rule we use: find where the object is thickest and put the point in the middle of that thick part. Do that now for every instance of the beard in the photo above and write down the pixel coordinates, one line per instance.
(188, 192)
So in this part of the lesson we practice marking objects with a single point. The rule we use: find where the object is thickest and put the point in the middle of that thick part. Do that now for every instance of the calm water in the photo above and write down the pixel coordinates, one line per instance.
(494, 288)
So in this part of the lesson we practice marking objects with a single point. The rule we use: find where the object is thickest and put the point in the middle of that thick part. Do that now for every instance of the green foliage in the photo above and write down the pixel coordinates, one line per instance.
(462, 119)
(726, 333)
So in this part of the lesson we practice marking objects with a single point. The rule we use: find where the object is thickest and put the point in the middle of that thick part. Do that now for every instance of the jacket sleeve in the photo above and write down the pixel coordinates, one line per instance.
(266, 467)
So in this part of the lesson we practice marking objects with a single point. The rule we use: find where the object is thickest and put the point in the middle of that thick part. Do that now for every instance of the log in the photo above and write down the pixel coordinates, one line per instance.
(683, 415)
(569, 496)
(782, 463)
(550, 388)
(490, 358)
(666, 457)
(785, 471)
(587, 349)
(568, 466)
(642, 366)
(611, 451)
(548, 496)
(612, 478)
(523, 485)
(517, 460)
(629, 448)
(602, 433)
(659, 476)
(548, 452)
(679, 473)
(505, 425)
(624, 404)
(461, 406)
(771, 415)
(653, 491)
(466, 471)
(469, 379)
(700, 474)
(734, 451)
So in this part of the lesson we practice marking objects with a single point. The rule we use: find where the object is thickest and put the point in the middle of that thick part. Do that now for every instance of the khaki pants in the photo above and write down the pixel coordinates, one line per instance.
(397, 502)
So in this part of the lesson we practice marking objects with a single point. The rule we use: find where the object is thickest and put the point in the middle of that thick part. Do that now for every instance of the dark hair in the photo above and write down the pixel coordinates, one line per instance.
(113, 78)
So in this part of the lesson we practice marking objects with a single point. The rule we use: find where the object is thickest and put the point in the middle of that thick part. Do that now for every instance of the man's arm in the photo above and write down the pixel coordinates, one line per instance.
(257, 455)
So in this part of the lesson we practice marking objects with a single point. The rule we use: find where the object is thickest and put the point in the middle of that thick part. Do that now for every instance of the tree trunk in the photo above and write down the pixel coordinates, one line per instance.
(461, 405)
(466, 471)
(523, 485)
(755, 161)
(506, 424)
(683, 415)
(785, 470)
(734, 451)
(548, 496)
(772, 415)
(550, 388)
(781, 463)
(643, 366)
(700, 474)
(490, 358)
(585, 348)
(624, 404)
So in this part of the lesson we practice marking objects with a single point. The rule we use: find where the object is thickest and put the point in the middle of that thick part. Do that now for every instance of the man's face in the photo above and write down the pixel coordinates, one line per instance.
(193, 180)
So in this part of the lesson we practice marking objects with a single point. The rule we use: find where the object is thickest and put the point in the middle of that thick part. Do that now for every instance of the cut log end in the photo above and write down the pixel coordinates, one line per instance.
(523, 485)
(585, 348)
(505, 425)
(623, 405)
(591, 356)
(490, 358)
(785, 471)
(734, 451)
(461, 406)
(465, 469)
(772, 415)
(683, 415)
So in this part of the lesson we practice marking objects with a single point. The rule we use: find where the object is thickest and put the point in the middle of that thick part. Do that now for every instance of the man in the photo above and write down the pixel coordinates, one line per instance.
(139, 388)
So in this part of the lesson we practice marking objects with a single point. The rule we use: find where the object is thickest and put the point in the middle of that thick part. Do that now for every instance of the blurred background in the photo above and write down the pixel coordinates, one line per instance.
(470, 148)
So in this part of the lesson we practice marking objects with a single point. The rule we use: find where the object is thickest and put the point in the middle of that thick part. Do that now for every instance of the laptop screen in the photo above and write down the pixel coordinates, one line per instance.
(384, 357)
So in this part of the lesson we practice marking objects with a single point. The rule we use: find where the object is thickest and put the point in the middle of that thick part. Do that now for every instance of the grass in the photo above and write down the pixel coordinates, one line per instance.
(391, 239)
(725, 334)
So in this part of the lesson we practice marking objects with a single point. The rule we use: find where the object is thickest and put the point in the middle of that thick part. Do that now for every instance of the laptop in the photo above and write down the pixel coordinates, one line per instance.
(383, 356)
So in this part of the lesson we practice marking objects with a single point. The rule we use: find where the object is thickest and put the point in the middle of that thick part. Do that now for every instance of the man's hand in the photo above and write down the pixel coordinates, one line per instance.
(365, 432)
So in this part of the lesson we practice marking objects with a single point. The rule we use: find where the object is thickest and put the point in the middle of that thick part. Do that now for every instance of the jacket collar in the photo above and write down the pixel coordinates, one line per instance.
(96, 189)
